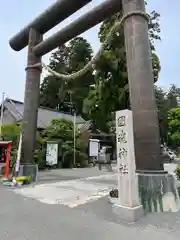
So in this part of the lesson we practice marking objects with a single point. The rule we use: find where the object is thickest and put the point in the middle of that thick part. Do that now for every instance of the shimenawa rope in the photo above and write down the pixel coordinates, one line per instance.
(91, 64)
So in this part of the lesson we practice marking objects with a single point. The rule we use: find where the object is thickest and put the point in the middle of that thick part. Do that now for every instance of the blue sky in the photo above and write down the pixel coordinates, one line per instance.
(15, 14)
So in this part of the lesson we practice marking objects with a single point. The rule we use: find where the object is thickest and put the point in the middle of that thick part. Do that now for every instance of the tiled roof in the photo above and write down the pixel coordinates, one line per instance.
(45, 115)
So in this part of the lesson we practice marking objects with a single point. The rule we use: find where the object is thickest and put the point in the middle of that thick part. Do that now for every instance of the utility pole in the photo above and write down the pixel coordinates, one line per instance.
(73, 110)
(74, 135)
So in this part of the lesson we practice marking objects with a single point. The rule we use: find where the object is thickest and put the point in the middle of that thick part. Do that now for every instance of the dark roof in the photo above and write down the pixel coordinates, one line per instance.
(45, 115)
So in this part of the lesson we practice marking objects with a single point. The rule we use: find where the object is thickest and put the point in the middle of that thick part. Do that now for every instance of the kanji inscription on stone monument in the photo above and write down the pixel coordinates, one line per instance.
(127, 179)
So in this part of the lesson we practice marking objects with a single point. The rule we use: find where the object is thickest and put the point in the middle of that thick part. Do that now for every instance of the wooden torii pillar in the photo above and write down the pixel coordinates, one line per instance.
(141, 87)
(31, 99)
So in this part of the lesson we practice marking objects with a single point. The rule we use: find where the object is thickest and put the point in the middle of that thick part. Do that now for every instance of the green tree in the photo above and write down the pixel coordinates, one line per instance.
(11, 132)
(62, 130)
(173, 97)
(162, 109)
(111, 82)
(174, 127)
(51, 86)
(67, 59)
(59, 129)
(165, 102)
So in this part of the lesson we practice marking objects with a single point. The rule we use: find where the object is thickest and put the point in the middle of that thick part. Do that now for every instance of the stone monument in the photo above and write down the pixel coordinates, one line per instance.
(128, 205)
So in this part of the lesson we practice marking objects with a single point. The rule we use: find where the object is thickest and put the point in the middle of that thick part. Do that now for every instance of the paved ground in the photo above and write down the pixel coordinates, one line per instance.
(82, 210)
(170, 167)
(71, 193)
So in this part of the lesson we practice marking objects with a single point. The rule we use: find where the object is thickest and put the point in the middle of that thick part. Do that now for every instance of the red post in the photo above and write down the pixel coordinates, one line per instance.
(7, 160)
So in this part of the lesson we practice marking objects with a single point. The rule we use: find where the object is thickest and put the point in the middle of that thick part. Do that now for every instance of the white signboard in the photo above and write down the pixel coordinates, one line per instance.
(52, 154)
(127, 179)
(93, 147)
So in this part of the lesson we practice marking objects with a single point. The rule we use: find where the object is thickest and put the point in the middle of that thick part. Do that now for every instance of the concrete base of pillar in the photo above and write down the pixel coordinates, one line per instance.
(29, 170)
(128, 214)
(158, 191)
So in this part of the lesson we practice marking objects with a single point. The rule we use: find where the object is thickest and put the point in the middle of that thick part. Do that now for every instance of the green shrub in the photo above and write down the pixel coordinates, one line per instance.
(58, 129)
(40, 158)
(68, 156)
(63, 130)
(81, 159)
(11, 132)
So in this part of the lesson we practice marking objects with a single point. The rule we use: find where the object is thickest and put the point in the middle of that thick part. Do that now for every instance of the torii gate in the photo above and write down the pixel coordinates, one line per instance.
(139, 65)
(149, 165)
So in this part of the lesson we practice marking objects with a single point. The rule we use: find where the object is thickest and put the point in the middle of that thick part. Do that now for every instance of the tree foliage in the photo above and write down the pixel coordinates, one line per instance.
(174, 127)
(111, 91)
(59, 129)
(11, 132)
(166, 100)
(69, 58)
(62, 130)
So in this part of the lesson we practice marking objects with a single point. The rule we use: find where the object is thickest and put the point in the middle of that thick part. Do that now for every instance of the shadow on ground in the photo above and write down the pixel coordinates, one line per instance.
(164, 221)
